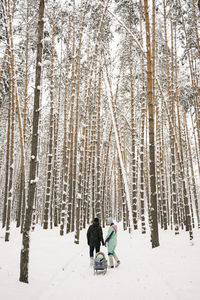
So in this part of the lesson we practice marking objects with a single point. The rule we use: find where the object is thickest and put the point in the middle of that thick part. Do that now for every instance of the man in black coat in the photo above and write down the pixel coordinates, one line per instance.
(94, 238)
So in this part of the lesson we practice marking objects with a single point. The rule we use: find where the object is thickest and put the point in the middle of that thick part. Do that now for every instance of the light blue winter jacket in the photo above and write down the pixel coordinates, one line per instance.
(111, 239)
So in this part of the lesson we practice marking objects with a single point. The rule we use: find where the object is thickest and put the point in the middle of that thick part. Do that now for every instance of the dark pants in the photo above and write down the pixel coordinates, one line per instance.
(97, 249)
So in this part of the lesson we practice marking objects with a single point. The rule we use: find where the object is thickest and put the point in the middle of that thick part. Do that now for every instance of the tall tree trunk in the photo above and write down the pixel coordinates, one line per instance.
(143, 109)
(154, 221)
(133, 133)
(51, 130)
(84, 161)
(12, 87)
(65, 141)
(87, 168)
(7, 154)
(77, 195)
(94, 144)
(24, 259)
(22, 202)
(172, 137)
(98, 190)
(71, 201)
(194, 188)
(106, 160)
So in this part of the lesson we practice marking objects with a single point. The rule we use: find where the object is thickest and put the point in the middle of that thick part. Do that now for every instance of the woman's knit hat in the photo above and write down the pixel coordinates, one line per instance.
(110, 220)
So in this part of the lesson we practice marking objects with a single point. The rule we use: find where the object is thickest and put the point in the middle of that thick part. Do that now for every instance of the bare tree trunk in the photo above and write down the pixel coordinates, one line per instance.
(51, 125)
(12, 87)
(22, 201)
(94, 143)
(71, 201)
(7, 154)
(24, 259)
(143, 109)
(172, 137)
(77, 196)
(192, 173)
(65, 143)
(87, 169)
(154, 224)
(134, 176)
(84, 161)
(57, 172)
(106, 160)
(98, 195)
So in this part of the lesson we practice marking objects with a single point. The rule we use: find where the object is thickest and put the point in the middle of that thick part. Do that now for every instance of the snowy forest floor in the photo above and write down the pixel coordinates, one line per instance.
(59, 269)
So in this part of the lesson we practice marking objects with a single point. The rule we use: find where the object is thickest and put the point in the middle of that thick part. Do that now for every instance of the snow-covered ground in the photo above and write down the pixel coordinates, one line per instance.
(59, 269)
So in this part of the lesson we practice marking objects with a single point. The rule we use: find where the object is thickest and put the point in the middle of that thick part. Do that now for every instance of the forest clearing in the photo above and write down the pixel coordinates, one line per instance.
(100, 118)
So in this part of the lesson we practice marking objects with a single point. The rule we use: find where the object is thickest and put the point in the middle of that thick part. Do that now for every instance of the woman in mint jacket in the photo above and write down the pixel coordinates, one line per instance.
(111, 240)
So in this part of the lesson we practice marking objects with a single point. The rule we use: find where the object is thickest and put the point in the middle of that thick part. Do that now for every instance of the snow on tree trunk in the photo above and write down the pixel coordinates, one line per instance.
(121, 162)
(153, 198)
(51, 129)
(24, 258)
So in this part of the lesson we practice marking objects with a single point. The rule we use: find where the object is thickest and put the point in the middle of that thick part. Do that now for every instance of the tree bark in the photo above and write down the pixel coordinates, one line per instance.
(24, 259)
(51, 128)
(153, 209)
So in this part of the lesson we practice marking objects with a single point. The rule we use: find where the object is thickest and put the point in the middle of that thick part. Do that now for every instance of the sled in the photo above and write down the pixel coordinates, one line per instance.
(100, 263)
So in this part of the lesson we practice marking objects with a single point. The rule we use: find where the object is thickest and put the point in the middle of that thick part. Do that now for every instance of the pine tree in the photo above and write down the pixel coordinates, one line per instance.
(154, 222)
(24, 259)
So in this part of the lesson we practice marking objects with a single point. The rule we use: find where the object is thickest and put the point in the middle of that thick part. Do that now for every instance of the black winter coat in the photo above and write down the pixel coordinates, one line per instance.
(95, 235)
